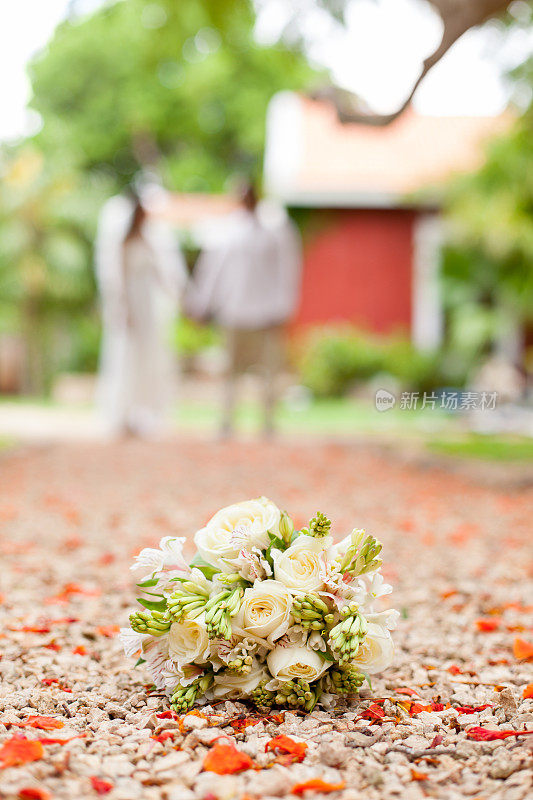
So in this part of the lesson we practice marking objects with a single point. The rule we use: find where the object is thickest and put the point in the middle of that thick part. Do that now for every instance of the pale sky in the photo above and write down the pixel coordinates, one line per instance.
(377, 57)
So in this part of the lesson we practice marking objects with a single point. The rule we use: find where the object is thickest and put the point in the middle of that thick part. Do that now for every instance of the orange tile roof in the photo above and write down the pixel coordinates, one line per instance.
(189, 209)
(410, 154)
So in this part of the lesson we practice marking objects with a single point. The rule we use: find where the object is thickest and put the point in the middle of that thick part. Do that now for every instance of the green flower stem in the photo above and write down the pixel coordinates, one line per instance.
(346, 680)
(155, 623)
(362, 555)
(263, 699)
(184, 697)
(241, 666)
(218, 612)
(311, 612)
(347, 635)
(299, 694)
(188, 599)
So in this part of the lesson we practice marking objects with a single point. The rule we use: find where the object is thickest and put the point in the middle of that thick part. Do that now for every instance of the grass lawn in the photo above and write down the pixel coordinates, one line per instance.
(335, 417)
(493, 448)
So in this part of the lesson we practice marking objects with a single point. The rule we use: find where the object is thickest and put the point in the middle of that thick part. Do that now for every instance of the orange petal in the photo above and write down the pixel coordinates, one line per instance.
(528, 691)
(522, 650)
(43, 723)
(19, 750)
(284, 744)
(317, 785)
(225, 759)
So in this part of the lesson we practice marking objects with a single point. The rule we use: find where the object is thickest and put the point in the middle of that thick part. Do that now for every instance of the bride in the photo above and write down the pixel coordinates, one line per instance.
(140, 273)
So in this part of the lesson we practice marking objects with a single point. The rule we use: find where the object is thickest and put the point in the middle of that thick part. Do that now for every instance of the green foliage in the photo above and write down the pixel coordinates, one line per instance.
(182, 85)
(190, 338)
(179, 86)
(336, 359)
(492, 212)
(47, 217)
(490, 448)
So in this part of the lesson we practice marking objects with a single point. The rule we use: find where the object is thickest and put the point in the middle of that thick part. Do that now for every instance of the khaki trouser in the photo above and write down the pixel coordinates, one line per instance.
(262, 350)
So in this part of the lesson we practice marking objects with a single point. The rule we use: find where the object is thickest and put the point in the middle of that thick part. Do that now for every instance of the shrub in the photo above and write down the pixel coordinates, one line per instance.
(332, 360)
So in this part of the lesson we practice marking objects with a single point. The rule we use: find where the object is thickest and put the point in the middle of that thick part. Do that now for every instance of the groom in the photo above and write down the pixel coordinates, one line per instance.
(249, 284)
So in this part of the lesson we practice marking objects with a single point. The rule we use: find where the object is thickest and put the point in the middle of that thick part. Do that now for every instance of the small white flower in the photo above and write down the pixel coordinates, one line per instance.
(169, 556)
(242, 524)
(131, 641)
(387, 619)
(374, 586)
(301, 566)
(376, 651)
(251, 564)
(265, 610)
(286, 663)
(316, 641)
(174, 676)
(155, 653)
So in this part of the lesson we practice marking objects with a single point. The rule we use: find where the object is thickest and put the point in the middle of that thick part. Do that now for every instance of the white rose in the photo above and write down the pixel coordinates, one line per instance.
(376, 650)
(238, 685)
(286, 663)
(265, 610)
(245, 524)
(301, 566)
(188, 641)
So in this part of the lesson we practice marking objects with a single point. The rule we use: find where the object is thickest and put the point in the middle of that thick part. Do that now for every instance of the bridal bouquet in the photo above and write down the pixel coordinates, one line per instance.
(263, 612)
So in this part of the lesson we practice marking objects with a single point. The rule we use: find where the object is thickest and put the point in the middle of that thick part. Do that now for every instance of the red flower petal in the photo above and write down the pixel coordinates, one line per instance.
(100, 786)
(488, 624)
(34, 793)
(486, 735)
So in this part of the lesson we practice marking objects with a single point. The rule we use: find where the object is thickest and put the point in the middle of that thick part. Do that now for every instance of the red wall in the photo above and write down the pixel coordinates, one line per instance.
(357, 268)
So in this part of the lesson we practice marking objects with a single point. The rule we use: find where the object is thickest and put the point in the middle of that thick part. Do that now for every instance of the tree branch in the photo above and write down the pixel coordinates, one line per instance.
(458, 16)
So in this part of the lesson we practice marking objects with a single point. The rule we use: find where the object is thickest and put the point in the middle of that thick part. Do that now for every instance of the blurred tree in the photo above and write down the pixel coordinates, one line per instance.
(457, 16)
(491, 262)
(180, 85)
(45, 243)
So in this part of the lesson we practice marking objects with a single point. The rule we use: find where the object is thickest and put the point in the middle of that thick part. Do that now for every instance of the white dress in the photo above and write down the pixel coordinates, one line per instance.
(140, 281)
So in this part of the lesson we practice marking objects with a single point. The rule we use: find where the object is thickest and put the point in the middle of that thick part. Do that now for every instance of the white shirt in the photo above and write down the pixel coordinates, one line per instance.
(248, 277)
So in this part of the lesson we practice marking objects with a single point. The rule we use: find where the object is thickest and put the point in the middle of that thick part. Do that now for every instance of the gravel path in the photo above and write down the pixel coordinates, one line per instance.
(71, 519)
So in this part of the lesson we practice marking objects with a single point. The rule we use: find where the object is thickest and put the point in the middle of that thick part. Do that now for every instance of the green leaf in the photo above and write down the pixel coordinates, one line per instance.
(327, 656)
(147, 583)
(139, 662)
(152, 605)
(204, 567)
(367, 677)
(276, 542)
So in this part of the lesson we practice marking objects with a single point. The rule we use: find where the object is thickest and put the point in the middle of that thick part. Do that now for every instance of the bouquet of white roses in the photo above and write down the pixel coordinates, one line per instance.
(263, 612)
